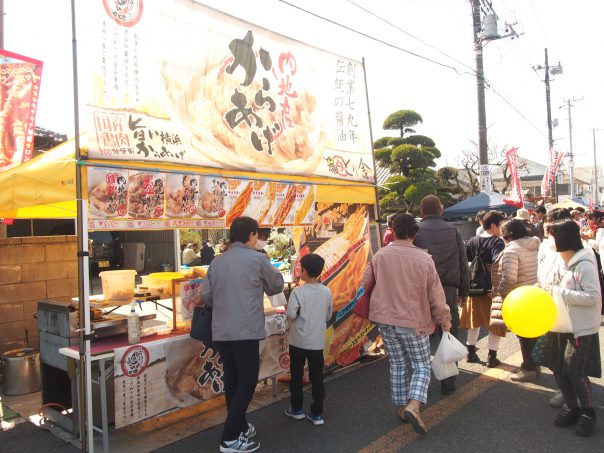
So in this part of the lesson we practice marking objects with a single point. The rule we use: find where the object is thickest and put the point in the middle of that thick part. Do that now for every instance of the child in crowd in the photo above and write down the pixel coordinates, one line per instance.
(309, 308)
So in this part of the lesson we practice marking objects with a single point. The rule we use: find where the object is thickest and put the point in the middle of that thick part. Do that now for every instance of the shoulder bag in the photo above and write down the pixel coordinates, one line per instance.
(361, 308)
(201, 325)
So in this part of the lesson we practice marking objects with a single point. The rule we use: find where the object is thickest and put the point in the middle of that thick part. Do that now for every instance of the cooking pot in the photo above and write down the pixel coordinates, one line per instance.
(20, 371)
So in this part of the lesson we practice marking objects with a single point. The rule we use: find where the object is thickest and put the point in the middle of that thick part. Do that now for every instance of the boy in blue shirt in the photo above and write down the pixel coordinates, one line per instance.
(310, 307)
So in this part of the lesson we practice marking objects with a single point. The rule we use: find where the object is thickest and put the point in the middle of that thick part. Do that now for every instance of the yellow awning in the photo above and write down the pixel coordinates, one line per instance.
(567, 204)
(44, 187)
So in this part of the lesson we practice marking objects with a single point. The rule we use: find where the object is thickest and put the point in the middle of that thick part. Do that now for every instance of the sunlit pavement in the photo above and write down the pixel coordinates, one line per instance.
(487, 413)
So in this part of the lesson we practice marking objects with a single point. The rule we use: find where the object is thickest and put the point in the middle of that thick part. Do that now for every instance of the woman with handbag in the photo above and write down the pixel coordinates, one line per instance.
(406, 302)
(234, 289)
(575, 356)
(547, 263)
(517, 266)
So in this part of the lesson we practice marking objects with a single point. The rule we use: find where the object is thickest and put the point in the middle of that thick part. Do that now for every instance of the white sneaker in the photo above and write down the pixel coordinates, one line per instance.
(243, 444)
(557, 400)
(251, 431)
(524, 376)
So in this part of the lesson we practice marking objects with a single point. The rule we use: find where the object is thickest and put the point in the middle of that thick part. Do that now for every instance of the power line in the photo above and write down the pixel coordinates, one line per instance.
(494, 89)
(491, 85)
(373, 38)
(411, 35)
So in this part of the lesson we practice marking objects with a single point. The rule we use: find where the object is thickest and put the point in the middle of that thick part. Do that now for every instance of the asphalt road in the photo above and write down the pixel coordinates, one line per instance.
(487, 413)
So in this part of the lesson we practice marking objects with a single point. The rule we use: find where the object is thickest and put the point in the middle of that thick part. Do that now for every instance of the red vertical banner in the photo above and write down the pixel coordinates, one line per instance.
(19, 91)
(515, 197)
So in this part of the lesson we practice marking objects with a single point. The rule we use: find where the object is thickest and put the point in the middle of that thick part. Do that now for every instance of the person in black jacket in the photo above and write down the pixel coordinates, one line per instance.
(206, 254)
(443, 242)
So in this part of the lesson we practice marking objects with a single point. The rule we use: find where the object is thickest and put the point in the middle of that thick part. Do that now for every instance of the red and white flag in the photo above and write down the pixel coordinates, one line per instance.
(545, 183)
(515, 197)
(19, 91)
(555, 158)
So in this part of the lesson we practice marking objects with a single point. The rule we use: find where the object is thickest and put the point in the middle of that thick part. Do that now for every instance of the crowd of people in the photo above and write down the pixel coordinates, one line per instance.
(422, 284)
(192, 255)
(558, 248)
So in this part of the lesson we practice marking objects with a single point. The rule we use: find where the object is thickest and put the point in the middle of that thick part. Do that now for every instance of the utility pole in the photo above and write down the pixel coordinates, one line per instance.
(483, 154)
(550, 138)
(571, 158)
(552, 155)
(489, 34)
(596, 190)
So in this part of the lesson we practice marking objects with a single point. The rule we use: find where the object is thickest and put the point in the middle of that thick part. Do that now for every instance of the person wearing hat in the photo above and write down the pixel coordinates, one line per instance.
(523, 215)
(388, 234)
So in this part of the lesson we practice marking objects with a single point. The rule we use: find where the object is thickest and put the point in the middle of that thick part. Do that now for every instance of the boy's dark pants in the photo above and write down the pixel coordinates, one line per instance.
(298, 357)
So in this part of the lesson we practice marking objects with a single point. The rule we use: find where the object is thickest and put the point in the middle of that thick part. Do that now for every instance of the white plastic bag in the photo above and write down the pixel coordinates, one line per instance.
(443, 370)
(278, 300)
(563, 322)
(450, 349)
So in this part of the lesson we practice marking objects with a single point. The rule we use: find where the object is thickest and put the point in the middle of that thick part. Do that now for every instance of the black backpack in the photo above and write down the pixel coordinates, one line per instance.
(480, 275)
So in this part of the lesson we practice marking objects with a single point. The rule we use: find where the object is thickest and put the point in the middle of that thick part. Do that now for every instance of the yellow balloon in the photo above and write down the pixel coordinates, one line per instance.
(529, 311)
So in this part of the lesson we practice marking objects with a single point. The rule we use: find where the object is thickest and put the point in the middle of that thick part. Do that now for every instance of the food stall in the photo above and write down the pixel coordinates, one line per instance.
(250, 123)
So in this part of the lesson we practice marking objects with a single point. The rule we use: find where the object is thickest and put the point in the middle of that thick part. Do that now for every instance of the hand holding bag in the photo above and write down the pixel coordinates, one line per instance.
(450, 349)
(563, 322)
(278, 300)
(443, 370)
(361, 308)
(201, 325)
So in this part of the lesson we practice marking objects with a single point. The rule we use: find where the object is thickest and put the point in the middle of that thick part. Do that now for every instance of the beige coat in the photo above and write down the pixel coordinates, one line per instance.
(516, 266)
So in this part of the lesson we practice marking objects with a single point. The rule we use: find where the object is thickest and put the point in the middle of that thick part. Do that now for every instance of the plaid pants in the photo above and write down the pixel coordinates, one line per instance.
(409, 357)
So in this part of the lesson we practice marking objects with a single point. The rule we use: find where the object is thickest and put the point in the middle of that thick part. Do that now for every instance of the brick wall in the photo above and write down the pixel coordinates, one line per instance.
(31, 269)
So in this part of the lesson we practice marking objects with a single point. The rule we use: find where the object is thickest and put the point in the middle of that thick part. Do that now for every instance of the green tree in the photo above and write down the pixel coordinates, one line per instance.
(411, 160)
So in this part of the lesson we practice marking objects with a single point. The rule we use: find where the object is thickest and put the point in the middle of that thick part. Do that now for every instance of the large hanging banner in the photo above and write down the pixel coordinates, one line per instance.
(134, 199)
(20, 79)
(340, 234)
(180, 82)
(170, 373)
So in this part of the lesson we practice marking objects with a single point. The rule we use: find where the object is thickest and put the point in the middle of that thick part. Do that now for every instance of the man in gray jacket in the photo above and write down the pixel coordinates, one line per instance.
(235, 286)
(443, 242)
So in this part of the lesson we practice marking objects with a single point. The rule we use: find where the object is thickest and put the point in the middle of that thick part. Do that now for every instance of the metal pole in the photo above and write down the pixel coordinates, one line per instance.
(376, 208)
(550, 137)
(483, 154)
(571, 161)
(85, 410)
(1, 24)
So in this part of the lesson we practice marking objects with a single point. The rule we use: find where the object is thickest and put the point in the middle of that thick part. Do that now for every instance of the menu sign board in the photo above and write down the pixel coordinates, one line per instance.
(120, 199)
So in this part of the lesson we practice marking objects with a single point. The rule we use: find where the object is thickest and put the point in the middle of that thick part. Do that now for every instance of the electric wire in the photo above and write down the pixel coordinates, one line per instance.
(498, 92)
(495, 90)
(373, 38)
(411, 35)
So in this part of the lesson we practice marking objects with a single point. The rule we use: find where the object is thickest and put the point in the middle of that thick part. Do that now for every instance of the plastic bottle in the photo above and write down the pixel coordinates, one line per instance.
(134, 327)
